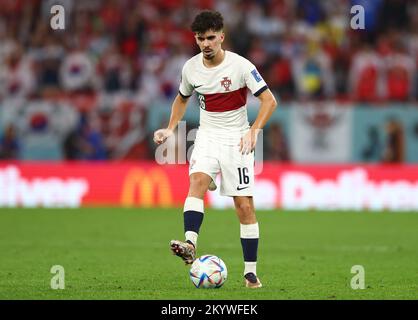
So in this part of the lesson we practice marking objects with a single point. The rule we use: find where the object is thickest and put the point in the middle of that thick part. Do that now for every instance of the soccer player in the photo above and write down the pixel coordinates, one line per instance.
(225, 141)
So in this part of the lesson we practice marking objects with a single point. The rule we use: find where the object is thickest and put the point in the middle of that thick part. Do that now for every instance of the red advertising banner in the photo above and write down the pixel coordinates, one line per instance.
(72, 184)
(146, 184)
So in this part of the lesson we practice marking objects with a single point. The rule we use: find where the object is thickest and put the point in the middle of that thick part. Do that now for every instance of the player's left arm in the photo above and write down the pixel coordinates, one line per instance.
(267, 107)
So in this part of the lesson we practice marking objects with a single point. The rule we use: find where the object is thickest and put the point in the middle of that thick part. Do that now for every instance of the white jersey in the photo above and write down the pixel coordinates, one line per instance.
(222, 91)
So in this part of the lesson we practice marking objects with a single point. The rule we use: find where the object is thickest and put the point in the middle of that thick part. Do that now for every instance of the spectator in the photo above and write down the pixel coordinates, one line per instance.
(171, 70)
(17, 78)
(76, 73)
(280, 78)
(72, 145)
(313, 73)
(112, 70)
(373, 148)
(412, 44)
(394, 148)
(310, 11)
(400, 72)
(48, 64)
(9, 145)
(366, 75)
(277, 147)
(91, 146)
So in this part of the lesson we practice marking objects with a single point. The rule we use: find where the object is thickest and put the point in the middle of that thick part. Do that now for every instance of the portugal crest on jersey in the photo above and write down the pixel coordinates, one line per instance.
(226, 83)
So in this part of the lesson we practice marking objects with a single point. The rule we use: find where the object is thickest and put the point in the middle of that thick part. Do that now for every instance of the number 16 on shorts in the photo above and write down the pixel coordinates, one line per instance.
(244, 178)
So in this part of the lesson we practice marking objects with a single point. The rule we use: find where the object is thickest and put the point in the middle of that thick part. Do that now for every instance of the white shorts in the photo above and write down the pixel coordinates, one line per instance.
(212, 156)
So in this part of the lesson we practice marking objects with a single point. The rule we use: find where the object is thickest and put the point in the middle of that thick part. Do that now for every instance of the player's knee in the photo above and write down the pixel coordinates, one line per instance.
(197, 183)
(198, 186)
(245, 212)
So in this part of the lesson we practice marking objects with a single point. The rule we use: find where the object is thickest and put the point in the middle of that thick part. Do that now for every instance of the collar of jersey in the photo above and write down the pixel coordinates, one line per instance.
(218, 66)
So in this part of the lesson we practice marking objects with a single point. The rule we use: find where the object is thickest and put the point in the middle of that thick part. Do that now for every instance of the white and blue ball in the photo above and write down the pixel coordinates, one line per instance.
(208, 271)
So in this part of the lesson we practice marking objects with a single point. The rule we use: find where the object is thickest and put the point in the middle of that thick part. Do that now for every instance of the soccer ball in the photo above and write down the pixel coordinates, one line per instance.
(208, 271)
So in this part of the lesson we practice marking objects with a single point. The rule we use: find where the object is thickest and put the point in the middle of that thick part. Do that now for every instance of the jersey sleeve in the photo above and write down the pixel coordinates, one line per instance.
(185, 88)
(253, 79)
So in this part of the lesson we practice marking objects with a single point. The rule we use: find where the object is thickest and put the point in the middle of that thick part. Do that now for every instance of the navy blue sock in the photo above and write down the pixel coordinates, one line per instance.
(192, 221)
(249, 249)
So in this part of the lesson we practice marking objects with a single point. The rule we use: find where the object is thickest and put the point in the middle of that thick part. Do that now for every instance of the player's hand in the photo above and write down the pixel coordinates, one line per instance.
(161, 135)
(248, 141)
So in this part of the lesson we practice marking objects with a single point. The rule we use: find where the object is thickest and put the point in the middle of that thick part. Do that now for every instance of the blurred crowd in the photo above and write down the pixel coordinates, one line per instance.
(305, 50)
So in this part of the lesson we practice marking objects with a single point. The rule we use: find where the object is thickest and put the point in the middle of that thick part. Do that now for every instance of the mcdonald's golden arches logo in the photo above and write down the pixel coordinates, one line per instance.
(145, 184)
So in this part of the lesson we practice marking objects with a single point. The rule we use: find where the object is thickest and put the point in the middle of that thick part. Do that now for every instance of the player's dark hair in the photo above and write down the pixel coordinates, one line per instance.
(207, 20)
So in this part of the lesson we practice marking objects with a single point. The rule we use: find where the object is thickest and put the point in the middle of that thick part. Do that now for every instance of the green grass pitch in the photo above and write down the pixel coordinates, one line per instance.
(112, 253)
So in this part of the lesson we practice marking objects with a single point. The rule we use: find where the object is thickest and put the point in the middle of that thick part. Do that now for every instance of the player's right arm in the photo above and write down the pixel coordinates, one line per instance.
(178, 109)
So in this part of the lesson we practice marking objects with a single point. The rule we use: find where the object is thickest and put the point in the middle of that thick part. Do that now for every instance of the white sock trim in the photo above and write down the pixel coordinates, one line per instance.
(191, 236)
(249, 231)
(194, 204)
(250, 267)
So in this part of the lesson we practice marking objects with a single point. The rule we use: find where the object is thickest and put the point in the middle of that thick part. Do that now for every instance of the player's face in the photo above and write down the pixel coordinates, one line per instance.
(210, 43)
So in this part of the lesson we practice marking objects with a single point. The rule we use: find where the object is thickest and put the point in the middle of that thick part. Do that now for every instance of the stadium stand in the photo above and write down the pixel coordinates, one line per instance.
(118, 61)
